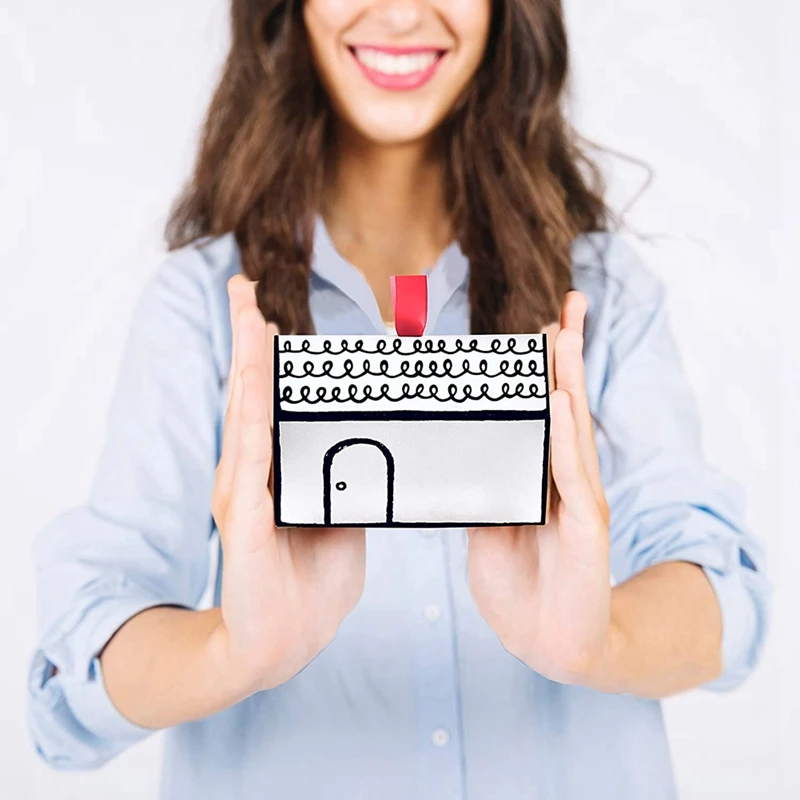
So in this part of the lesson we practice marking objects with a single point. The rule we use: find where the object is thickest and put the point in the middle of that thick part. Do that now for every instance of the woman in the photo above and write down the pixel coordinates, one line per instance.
(348, 141)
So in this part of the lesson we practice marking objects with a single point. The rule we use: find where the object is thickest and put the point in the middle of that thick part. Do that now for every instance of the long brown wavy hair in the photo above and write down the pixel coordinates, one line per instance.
(519, 188)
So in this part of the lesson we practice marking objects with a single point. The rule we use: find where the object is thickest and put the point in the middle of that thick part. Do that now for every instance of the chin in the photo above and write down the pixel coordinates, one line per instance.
(390, 130)
(393, 137)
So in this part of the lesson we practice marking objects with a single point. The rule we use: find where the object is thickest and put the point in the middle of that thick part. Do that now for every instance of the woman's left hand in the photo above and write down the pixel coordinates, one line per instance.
(546, 590)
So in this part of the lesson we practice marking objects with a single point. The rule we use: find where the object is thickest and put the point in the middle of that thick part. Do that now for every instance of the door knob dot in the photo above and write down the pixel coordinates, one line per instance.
(341, 486)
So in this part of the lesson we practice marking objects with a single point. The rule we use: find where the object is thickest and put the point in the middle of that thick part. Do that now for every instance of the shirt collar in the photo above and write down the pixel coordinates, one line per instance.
(448, 274)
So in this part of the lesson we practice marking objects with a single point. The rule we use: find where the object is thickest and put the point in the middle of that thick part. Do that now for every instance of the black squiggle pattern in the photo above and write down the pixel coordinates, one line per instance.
(415, 345)
(449, 394)
(413, 369)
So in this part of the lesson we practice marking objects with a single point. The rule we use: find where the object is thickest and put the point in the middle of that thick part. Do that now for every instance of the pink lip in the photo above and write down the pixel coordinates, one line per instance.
(399, 82)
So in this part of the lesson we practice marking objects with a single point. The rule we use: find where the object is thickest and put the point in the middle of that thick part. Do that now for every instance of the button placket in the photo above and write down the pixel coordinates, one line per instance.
(435, 680)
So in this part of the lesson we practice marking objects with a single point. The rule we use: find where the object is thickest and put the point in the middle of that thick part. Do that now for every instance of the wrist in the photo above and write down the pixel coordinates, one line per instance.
(609, 674)
(243, 671)
(232, 673)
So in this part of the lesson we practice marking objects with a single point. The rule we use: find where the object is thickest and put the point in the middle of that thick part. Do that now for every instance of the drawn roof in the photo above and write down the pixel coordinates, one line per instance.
(428, 373)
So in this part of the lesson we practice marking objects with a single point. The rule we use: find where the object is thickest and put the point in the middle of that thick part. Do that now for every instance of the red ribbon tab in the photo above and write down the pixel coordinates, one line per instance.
(410, 300)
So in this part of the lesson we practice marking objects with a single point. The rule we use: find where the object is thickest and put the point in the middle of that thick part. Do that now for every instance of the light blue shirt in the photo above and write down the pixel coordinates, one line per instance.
(416, 697)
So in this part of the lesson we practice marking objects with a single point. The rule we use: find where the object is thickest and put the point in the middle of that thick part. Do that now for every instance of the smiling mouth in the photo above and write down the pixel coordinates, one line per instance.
(397, 68)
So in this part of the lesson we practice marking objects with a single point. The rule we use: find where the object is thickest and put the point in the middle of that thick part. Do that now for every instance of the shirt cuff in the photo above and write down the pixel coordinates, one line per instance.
(743, 623)
(81, 683)
(742, 596)
(89, 699)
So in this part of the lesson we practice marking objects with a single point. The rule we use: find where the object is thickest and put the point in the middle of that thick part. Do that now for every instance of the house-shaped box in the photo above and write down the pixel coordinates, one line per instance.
(410, 431)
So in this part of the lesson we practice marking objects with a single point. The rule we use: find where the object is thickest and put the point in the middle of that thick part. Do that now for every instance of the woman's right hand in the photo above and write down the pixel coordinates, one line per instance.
(285, 591)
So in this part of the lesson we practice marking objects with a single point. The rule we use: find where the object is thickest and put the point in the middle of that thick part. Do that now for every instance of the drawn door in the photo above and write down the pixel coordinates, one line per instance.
(358, 477)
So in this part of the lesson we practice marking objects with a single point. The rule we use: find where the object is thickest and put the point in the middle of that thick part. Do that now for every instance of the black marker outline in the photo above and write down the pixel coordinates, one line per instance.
(394, 345)
(452, 393)
(409, 369)
(327, 465)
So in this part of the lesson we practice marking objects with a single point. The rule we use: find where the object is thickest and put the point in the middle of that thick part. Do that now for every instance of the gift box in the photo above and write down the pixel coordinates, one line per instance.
(410, 431)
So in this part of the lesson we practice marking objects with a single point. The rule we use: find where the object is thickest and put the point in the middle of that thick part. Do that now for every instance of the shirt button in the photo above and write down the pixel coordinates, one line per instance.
(432, 612)
(440, 737)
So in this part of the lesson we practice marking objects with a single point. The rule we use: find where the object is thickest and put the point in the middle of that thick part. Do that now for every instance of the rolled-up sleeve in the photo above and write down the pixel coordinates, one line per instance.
(667, 502)
(142, 538)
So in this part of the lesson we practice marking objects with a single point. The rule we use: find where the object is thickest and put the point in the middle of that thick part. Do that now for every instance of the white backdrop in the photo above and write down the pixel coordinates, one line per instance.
(99, 107)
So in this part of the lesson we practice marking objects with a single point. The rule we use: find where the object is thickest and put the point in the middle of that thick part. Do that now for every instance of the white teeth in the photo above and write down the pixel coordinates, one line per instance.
(389, 64)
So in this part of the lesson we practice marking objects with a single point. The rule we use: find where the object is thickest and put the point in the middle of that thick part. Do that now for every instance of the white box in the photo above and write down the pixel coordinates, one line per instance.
(431, 431)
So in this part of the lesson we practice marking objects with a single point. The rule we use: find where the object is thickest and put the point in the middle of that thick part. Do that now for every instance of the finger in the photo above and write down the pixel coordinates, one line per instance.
(249, 301)
(571, 377)
(551, 332)
(573, 311)
(569, 473)
(272, 332)
(249, 494)
(239, 288)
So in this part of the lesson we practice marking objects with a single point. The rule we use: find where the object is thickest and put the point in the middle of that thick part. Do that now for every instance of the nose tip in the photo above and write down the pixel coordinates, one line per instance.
(402, 16)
